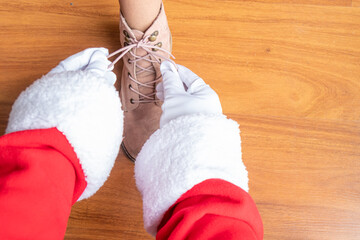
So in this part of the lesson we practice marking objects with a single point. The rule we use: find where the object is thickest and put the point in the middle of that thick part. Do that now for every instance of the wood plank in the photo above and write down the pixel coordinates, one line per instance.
(39, 34)
(304, 176)
(278, 60)
(307, 2)
(356, 3)
(115, 212)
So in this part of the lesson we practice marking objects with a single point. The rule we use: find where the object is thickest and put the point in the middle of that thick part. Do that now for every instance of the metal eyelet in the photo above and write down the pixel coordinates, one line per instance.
(130, 86)
(126, 34)
(153, 36)
(159, 44)
(132, 101)
(129, 61)
(127, 39)
(129, 75)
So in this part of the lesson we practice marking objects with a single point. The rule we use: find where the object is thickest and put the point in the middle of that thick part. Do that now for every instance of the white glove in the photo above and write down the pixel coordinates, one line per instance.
(79, 99)
(92, 59)
(184, 93)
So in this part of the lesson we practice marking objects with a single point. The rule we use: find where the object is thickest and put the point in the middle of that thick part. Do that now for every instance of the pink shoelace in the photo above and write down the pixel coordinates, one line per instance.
(145, 44)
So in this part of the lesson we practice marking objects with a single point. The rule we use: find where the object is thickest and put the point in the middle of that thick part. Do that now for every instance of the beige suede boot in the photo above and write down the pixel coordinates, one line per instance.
(142, 54)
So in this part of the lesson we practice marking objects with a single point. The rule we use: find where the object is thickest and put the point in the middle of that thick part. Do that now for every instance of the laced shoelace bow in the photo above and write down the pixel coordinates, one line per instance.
(145, 44)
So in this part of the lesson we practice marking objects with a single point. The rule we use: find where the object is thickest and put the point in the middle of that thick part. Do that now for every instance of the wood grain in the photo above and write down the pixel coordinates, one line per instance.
(307, 2)
(356, 3)
(273, 59)
(115, 212)
(286, 70)
(304, 176)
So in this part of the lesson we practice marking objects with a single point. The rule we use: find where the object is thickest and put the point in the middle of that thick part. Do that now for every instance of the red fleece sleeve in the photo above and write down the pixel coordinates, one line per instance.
(40, 179)
(213, 209)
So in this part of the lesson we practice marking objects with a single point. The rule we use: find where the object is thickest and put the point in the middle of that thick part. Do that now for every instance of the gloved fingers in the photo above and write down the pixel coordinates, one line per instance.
(78, 61)
(110, 77)
(172, 83)
(82, 59)
(160, 91)
(58, 69)
(198, 86)
(160, 95)
(98, 63)
(160, 87)
(189, 78)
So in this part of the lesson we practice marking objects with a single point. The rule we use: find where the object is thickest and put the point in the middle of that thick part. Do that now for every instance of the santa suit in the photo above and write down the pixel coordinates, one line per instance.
(63, 137)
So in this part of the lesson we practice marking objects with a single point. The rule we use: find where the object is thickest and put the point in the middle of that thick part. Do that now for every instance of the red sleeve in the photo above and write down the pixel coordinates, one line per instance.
(40, 179)
(213, 209)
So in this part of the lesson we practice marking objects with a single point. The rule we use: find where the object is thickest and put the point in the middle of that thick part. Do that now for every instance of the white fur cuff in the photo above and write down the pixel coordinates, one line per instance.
(85, 108)
(183, 153)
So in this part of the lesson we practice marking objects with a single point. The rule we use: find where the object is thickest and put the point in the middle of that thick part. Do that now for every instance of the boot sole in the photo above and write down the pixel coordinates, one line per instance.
(127, 154)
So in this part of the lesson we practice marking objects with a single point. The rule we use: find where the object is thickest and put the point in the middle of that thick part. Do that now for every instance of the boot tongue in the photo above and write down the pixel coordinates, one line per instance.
(138, 34)
(143, 77)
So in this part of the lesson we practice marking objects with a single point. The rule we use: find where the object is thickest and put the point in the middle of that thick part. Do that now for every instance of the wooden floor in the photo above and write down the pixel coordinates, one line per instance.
(287, 70)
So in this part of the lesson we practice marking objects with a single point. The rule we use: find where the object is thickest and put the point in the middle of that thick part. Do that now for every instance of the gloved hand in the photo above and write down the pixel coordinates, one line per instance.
(78, 99)
(184, 93)
(92, 59)
(195, 143)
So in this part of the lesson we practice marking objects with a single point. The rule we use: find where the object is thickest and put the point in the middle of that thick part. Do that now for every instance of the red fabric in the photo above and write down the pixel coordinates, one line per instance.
(213, 209)
(40, 179)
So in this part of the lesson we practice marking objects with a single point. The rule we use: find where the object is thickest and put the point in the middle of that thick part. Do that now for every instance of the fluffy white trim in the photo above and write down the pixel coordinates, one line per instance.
(183, 153)
(85, 108)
